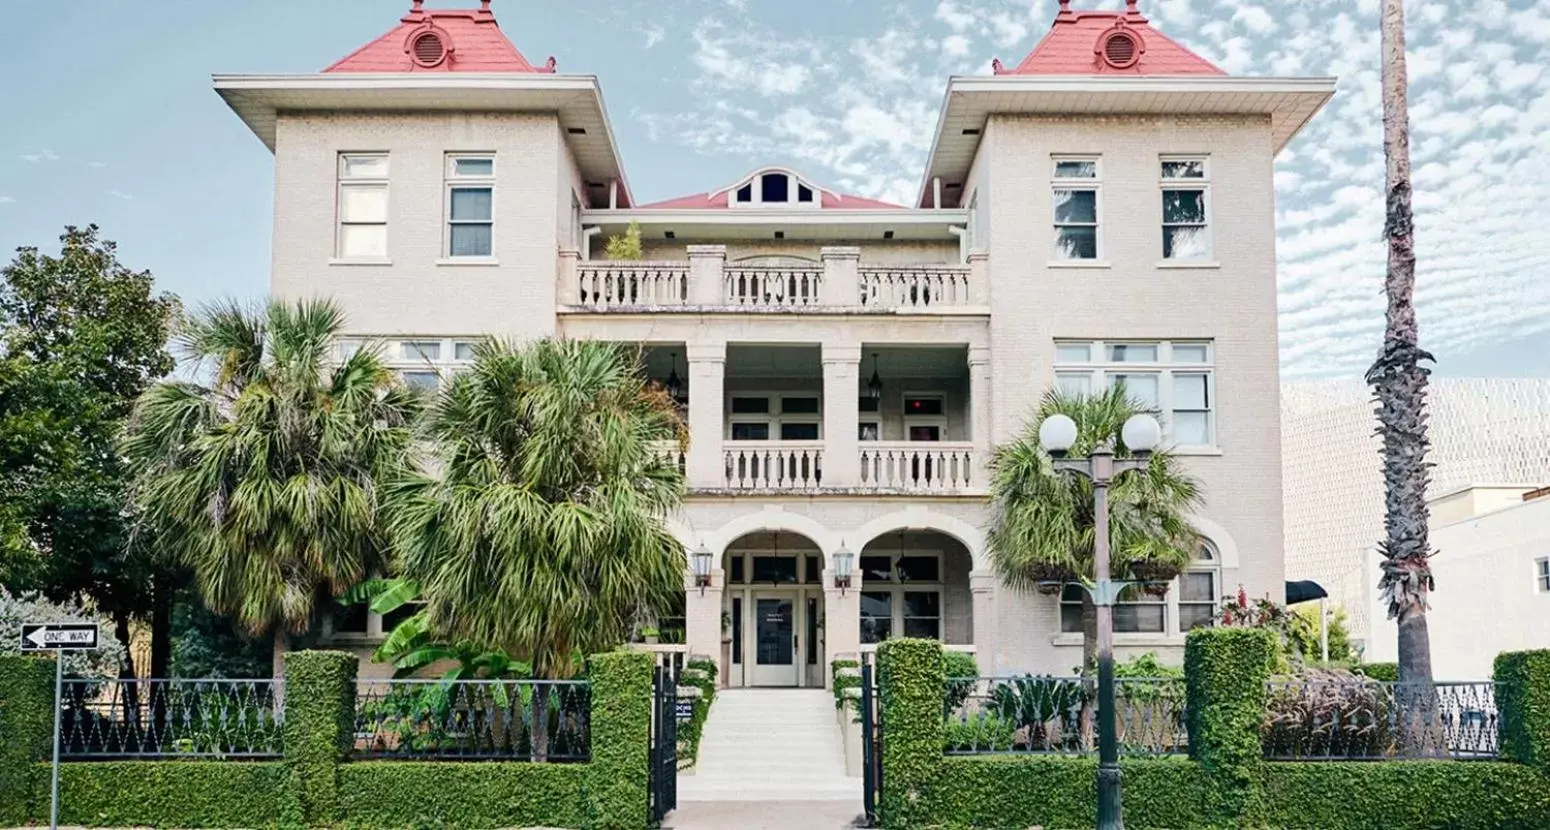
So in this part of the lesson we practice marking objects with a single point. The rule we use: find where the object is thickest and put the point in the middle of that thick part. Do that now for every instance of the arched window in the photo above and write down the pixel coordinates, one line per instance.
(1199, 588)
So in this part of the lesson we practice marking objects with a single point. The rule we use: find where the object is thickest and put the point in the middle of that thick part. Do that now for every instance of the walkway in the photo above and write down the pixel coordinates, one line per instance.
(774, 758)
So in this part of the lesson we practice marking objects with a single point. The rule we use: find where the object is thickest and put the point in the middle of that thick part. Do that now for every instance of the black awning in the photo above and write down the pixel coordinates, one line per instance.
(1303, 590)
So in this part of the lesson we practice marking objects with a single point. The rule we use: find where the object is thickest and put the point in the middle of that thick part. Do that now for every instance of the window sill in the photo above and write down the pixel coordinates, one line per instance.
(1120, 639)
(1197, 451)
(469, 260)
(1188, 263)
(1078, 263)
(360, 261)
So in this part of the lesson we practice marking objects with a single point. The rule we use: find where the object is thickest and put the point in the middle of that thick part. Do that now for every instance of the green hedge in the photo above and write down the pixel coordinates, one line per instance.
(319, 729)
(167, 793)
(840, 682)
(1225, 671)
(26, 729)
(618, 776)
(690, 731)
(1060, 793)
(1387, 672)
(1412, 795)
(465, 794)
(911, 683)
(1524, 703)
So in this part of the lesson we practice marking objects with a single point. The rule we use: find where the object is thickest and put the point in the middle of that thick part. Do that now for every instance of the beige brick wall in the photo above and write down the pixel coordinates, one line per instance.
(415, 294)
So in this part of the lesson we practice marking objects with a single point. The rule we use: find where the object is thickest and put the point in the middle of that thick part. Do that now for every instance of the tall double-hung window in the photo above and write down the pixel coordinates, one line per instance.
(470, 205)
(363, 206)
(1075, 186)
(1186, 202)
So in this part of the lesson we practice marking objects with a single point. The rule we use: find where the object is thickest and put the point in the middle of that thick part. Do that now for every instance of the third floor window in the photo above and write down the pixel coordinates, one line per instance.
(1186, 190)
(1076, 187)
(470, 205)
(363, 206)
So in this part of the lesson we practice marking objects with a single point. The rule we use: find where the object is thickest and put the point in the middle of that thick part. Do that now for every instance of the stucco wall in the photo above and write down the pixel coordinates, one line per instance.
(415, 294)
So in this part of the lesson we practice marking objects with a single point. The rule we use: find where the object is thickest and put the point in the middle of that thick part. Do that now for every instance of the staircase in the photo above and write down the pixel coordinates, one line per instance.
(771, 745)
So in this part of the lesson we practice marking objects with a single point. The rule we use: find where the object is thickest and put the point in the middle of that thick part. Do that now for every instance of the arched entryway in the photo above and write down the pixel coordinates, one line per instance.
(773, 610)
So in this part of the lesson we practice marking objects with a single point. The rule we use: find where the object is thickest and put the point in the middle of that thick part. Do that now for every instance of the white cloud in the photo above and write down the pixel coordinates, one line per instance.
(41, 156)
(96, 165)
(955, 45)
(119, 194)
(654, 34)
(7, 200)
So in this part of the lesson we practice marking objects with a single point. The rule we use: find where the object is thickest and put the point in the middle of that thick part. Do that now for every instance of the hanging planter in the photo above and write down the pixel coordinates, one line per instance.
(1154, 575)
(1051, 578)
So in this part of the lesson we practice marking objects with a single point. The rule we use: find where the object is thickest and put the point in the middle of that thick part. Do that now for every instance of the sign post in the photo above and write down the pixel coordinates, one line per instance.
(58, 638)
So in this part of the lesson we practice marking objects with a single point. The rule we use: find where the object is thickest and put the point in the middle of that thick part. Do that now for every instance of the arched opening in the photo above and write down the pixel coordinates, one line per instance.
(916, 584)
(772, 610)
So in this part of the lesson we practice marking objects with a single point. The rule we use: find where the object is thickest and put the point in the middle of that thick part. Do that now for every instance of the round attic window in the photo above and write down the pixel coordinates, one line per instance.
(1120, 49)
(428, 49)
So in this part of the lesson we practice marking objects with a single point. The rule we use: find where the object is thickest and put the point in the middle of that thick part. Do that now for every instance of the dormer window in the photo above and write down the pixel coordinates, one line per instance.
(745, 194)
(772, 187)
(804, 193)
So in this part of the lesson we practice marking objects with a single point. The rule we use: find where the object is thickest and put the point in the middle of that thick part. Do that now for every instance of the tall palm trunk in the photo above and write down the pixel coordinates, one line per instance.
(1399, 384)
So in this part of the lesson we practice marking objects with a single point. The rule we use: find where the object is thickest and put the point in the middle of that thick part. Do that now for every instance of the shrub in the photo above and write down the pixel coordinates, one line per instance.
(1524, 703)
(1387, 672)
(911, 683)
(962, 670)
(1225, 671)
(979, 732)
(1303, 633)
(26, 729)
(319, 728)
(1328, 713)
(1046, 711)
(846, 675)
(626, 246)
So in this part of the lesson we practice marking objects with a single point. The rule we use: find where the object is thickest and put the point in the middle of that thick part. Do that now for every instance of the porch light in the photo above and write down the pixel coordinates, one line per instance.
(1141, 433)
(874, 387)
(674, 384)
(700, 560)
(1058, 434)
(844, 560)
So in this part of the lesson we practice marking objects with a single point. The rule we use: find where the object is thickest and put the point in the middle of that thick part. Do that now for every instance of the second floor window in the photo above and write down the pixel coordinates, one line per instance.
(1174, 380)
(470, 205)
(363, 206)
(1186, 232)
(1075, 186)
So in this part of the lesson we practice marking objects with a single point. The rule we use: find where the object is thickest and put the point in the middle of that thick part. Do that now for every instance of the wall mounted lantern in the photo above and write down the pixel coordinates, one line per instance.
(700, 560)
(844, 561)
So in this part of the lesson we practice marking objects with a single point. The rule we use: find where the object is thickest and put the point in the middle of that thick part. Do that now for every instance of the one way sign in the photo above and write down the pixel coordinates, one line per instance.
(59, 636)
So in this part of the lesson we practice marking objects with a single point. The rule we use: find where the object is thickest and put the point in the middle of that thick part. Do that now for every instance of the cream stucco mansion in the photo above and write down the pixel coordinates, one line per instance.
(1101, 212)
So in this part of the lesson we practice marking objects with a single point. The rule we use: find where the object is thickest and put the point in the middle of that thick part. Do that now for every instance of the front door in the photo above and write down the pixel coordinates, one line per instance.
(775, 640)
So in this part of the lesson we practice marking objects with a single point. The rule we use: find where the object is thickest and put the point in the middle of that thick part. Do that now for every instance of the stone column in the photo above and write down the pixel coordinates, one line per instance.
(979, 415)
(706, 266)
(841, 618)
(702, 618)
(841, 385)
(841, 276)
(568, 292)
(983, 585)
(979, 278)
(707, 375)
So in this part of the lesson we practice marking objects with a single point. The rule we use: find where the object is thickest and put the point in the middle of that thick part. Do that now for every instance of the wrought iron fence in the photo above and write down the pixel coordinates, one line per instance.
(1359, 719)
(1058, 715)
(170, 718)
(537, 720)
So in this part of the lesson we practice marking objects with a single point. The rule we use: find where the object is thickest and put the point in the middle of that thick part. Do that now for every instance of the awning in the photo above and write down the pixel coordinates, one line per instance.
(1303, 590)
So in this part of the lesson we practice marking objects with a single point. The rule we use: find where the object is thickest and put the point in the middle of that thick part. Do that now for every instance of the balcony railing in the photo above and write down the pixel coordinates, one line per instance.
(707, 280)
(773, 465)
(907, 465)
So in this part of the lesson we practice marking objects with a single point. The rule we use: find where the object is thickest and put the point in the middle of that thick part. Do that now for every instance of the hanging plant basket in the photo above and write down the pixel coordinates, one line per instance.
(1051, 579)
(1153, 575)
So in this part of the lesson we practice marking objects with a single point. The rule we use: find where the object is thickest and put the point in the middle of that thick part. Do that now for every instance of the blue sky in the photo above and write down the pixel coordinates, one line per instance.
(108, 117)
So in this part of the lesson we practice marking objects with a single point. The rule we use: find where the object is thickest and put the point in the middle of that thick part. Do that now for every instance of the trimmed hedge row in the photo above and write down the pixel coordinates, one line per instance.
(1524, 701)
(467, 794)
(26, 728)
(169, 794)
(319, 728)
(701, 674)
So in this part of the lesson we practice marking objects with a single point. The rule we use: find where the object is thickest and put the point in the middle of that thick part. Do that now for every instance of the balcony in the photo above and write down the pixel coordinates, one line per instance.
(839, 283)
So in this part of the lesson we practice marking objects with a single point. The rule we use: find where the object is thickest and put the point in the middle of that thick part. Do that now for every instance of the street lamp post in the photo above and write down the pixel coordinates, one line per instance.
(1141, 435)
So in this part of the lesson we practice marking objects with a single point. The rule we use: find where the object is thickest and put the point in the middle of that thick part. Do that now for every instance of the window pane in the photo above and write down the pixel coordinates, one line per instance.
(922, 604)
(463, 350)
(422, 380)
(869, 432)
(804, 194)
(877, 568)
(1139, 618)
(1076, 243)
(814, 570)
(1133, 594)
(1197, 586)
(745, 193)
(774, 187)
(1073, 352)
(930, 629)
(867, 403)
(347, 348)
(799, 432)
(1189, 353)
(750, 406)
(876, 616)
(1074, 384)
(1187, 207)
(1195, 169)
(362, 241)
(471, 204)
(1191, 428)
(737, 568)
(925, 433)
(1071, 592)
(474, 167)
(1192, 617)
(1076, 206)
(363, 203)
(774, 569)
(922, 406)
(799, 406)
(421, 349)
(1185, 242)
(1076, 169)
(737, 630)
(365, 167)
(750, 432)
(351, 619)
(1190, 392)
(1133, 353)
(470, 240)
(1071, 617)
(919, 569)
(1140, 388)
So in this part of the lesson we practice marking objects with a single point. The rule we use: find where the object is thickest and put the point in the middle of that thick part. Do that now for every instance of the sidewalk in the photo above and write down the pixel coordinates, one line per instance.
(764, 815)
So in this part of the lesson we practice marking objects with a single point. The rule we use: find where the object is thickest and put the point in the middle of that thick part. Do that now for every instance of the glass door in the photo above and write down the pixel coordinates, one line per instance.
(775, 640)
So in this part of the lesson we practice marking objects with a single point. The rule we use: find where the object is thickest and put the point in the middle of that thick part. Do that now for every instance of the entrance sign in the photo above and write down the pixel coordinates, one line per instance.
(59, 636)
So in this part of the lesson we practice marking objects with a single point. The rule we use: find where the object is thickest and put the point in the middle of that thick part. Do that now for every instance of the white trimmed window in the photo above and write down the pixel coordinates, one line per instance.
(1175, 380)
(1542, 575)
(1076, 188)
(1198, 590)
(902, 595)
(759, 416)
(470, 205)
(1190, 603)
(1186, 206)
(422, 362)
(363, 206)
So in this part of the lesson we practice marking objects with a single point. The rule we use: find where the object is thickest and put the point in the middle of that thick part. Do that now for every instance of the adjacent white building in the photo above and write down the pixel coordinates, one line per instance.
(1102, 212)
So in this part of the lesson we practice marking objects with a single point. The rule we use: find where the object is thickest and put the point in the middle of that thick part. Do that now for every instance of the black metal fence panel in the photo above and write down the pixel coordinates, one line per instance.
(1356, 719)
(1058, 715)
(156, 719)
(871, 742)
(663, 765)
(533, 720)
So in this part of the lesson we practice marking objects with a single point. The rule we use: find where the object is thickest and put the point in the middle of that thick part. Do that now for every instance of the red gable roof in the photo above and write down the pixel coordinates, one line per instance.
(441, 40)
(1108, 43)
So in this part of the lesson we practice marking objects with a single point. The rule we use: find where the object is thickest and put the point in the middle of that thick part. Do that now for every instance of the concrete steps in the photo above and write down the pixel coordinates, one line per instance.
(770, 745)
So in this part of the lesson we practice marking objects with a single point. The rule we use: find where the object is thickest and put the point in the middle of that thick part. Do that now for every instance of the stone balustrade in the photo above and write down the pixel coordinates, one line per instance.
(937, 466)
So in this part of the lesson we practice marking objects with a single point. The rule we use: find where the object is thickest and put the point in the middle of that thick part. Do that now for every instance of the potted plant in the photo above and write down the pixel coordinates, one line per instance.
(1051, 577)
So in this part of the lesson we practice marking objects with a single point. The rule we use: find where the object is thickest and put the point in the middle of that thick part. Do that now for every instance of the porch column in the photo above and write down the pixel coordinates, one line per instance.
(568, 292)
(841, 619)
(702, 619)
(706, 266)
(841, 382)
(983, 585)
(979, 278)
(704, 466)
(979, 414)
(841, 276)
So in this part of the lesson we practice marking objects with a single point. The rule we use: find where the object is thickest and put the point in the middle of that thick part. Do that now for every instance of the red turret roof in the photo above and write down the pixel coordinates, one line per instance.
(441, 40)
(1108, 43)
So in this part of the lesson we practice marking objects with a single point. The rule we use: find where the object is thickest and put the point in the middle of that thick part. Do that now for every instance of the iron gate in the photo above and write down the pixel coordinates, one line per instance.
(871, 741)
(664, 741)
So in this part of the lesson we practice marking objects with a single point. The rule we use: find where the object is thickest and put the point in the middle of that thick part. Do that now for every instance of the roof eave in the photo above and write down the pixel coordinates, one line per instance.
(769, 216)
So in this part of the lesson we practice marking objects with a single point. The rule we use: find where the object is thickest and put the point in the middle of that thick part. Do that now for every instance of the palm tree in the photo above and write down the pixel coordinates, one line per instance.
(1041, 531)
(544, 533)
(264, 476)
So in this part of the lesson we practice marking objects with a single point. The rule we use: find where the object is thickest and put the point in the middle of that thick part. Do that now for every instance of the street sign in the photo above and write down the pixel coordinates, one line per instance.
(59, 636)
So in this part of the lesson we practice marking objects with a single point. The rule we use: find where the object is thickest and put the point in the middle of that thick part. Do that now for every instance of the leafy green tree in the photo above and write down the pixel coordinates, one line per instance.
(81, 336)
(1303, 633)
(1041, 530)
(626, 246)
(263, 476)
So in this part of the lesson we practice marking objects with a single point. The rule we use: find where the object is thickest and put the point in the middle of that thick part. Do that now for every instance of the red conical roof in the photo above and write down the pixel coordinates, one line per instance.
(1108, 43)
(441, 40)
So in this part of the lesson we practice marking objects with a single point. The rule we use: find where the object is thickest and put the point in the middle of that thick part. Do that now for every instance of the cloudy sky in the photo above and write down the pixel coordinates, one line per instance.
(108, 117)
